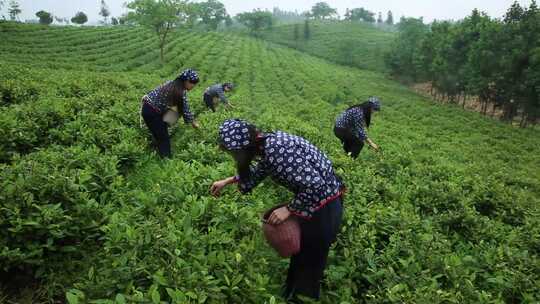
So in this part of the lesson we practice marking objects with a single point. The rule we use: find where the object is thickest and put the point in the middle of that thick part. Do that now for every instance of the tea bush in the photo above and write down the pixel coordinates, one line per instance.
(447, 212)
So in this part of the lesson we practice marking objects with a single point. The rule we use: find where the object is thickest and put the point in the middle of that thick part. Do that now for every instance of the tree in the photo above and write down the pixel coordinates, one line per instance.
(361, 14)
(212, 13)
(256, 20)
(104, 11)
(404, 58)
(122, 19)
(390, 18)
(44, 17)
(114, 21)
(307, 30)
(347, 15)
(287, 16)
(322, 10)
(380, 19)
(80, 18)
(14, 10)
(228, 21)
(161, 16)
(296, 32)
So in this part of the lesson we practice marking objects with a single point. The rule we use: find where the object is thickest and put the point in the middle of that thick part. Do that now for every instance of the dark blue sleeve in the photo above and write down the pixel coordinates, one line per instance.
(257, 174)
(186, 113)
(358, 121)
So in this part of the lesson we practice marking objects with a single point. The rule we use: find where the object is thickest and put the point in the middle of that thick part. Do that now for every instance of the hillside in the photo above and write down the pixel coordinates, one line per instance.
(348, 43)
(448, 212)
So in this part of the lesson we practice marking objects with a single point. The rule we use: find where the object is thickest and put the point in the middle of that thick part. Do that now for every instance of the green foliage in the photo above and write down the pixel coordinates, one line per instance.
(402, 59)
(14, 10)
(212, 13)
(161, 16)
(389, 18)
(80, 18)
(348, 43)
(44, 17)
(492, 59)
(447, 213)
(104, 10)
(256, 21)
(307, 30)
(321, 10)
(361, 14)
(51, 205)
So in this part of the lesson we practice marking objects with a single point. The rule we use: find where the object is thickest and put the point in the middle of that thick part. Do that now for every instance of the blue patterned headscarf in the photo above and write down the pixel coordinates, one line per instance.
(375, 103)
(189, 75)
(234, 134)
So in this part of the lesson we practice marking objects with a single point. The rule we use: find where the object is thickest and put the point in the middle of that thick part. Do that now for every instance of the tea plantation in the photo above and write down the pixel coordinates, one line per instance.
(357, 44)
(448, 212)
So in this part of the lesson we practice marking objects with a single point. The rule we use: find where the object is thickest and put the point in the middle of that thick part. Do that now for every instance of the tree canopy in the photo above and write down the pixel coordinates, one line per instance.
(161, 16)
(80, 18)
(496, 60)
(322, 10)
(256, 20)
(44, 17)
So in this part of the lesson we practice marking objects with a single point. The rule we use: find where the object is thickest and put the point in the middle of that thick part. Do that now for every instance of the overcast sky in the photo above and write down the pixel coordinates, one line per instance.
(429, 9)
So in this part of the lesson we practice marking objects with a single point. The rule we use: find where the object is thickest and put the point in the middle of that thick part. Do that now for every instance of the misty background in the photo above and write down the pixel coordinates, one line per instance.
(428, 9)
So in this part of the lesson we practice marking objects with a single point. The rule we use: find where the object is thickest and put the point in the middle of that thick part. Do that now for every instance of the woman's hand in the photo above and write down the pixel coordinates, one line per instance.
(216, 187)
(373, 145)
(279, 215)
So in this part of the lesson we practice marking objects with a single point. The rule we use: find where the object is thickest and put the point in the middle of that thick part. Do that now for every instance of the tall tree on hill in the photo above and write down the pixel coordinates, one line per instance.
(160, 16)
(496, 60)
(322, 10)
(521, 61)
(14, 10)
(390, 18)
(347, 15)
(380, 19)
(286, 16)
(361, 14)
(296, 33)
(44, 17)
(307, 30)
(104, 11)
(212, 13)
(404, 58)
(483, 66)
(229, 21)
(256, 20)
(80, 18)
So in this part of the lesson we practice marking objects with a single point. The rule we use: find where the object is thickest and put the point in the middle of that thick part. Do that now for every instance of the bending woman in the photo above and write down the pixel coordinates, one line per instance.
(306, 171)
(158, 101)
(350, 126)
(217, 91)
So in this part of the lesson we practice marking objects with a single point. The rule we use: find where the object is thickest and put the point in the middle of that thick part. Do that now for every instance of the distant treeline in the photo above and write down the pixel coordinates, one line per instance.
(497, 60)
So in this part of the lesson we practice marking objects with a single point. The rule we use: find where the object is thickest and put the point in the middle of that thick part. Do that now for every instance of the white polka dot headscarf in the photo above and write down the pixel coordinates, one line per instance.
(234, 134)
(375, 103)
(189, 75)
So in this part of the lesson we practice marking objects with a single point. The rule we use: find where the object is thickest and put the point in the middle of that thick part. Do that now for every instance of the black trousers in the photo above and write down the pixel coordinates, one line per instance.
(158, 128)
(351, 144)
(209, 101)
(306, 269)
